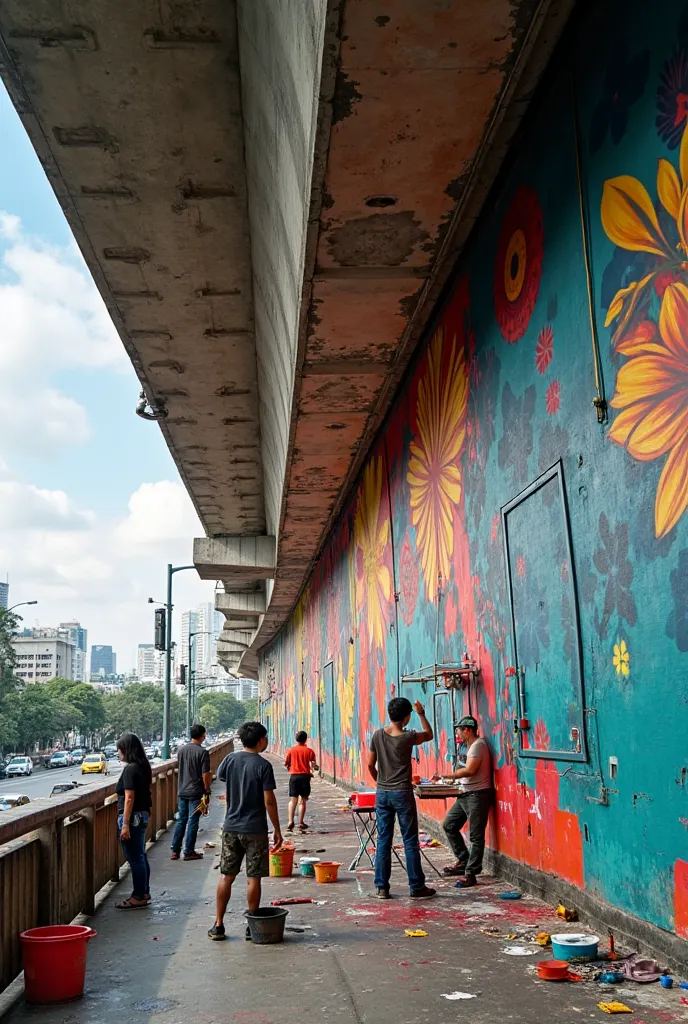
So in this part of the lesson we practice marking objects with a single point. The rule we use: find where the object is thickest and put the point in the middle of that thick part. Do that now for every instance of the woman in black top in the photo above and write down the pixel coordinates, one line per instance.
(133, 810)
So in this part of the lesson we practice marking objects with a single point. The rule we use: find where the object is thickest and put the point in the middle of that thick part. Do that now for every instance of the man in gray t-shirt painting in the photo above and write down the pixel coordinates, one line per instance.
(389, 762)
(193, 784)
(473, 806)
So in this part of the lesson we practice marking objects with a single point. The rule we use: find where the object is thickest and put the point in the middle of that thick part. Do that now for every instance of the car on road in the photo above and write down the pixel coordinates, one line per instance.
(77, 755)
(64, 787)
(150, 753)
(94, 763)
(60, 759)
(20, 766)
(111, 752)
(8, 801)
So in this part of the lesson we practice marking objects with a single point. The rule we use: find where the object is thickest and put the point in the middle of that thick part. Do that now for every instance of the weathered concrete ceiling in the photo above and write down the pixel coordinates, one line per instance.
(270, 197)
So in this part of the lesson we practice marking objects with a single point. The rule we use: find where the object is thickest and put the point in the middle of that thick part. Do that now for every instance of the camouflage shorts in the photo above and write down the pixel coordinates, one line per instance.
(254, 846)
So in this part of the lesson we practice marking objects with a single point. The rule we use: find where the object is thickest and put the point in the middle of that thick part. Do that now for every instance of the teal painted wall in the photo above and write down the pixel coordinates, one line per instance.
(495, 438)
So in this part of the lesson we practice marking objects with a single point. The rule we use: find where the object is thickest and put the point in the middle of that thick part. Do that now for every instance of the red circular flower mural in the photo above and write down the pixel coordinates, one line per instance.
(544, 349)
(553, 397)
(408, 581)
(518, 267)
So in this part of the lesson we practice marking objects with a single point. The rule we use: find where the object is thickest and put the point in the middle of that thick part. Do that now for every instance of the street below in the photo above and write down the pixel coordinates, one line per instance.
(41, 782)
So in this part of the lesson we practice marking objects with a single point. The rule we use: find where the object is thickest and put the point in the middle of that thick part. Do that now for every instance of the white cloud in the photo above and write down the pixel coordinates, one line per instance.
(52, 319)
(101, 572)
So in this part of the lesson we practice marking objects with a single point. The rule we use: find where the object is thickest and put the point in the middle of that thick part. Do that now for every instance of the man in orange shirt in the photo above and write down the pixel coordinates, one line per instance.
(299, 760)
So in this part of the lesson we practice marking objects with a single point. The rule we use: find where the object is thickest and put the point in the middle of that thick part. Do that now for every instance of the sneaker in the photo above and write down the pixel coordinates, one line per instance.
(195, 855)
(423, 894)
(382, 894)
(217, 932)
(467, 882)
(175, 855)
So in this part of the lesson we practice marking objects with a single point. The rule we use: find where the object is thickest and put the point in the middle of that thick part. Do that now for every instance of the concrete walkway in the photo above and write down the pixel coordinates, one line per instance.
(345, 961)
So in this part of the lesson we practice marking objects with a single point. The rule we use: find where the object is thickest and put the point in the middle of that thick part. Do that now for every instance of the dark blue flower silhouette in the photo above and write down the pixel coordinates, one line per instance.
(624, 84)
(611, 560)
(534, 627)
(516, 442)
(677, 623)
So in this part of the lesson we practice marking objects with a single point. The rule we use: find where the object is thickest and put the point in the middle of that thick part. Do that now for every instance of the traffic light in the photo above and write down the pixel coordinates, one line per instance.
(182, 675)
(160, 630)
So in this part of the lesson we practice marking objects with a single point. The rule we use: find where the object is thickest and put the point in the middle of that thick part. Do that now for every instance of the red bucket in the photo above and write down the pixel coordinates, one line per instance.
(55, 962)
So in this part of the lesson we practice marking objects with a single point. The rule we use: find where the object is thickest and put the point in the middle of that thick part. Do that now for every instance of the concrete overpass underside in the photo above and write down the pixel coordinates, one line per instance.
(270, 197)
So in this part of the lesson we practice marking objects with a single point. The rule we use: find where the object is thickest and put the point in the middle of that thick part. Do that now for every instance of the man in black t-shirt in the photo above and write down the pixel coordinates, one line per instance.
(250, 783)
(193, 784)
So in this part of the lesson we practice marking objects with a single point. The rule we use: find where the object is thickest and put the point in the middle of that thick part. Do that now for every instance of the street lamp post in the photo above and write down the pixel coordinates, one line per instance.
(171, 570)
(189, 700)
(20, 605)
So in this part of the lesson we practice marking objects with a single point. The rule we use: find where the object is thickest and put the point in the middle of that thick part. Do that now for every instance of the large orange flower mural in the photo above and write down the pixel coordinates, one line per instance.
(652, 394)
(652, 386)
(630, 221)
(371, 537)
(433, 473)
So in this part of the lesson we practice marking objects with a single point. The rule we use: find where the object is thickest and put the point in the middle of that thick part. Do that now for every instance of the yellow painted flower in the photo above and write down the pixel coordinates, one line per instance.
(630, 221)
(652, 394)
(371, 537)
(621, 659)
(434, 474)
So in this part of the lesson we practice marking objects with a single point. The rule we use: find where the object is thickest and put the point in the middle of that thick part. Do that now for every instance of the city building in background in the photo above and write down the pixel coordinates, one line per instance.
(4, 595)
(150, 664)
(205, 623)
(79, 637)
(103, 662)
(44, 654)
(248, 689)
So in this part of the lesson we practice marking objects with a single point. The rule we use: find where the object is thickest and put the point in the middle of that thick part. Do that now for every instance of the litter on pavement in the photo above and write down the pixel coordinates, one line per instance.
(458, 995)
(415, 933)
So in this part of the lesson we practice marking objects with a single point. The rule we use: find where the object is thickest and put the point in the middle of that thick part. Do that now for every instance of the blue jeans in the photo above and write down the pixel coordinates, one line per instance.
(135, 852)
(401, 804)
(187, 821)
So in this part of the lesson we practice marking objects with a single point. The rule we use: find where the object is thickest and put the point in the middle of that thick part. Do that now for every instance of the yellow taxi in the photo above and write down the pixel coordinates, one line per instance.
(94, 763)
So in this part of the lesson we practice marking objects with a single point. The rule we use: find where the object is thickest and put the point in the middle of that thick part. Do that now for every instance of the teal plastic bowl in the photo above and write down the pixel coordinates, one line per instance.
(575, 946)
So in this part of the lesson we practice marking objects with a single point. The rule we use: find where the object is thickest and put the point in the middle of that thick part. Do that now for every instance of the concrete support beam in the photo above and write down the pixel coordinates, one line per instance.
(234, 558)
(236, 636)
(236, 623)
(249, 603)
(230, 647)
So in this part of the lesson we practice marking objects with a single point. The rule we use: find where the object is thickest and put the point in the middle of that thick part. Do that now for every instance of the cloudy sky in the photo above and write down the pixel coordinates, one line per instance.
(91, 505)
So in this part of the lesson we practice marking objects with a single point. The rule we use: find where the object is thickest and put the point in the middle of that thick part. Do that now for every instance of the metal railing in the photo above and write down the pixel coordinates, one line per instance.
(55, 859)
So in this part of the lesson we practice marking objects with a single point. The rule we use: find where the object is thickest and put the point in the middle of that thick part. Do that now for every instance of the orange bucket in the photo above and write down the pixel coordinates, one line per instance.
(282, 861)
(326, 871)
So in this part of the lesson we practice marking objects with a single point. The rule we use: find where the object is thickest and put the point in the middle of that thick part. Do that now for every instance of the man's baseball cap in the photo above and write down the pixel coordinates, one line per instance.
(467, 722)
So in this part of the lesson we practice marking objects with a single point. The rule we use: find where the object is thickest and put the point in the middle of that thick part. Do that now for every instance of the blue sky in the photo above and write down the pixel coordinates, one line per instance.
(91, 505)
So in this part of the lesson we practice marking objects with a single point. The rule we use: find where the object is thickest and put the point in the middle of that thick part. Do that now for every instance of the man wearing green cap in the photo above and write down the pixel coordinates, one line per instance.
(472, 806)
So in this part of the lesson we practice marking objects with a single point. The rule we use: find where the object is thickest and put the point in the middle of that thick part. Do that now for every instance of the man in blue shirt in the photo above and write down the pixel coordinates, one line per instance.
(250, 788)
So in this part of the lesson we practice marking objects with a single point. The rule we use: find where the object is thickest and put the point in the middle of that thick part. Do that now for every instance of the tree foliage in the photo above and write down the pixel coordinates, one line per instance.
(229, 712)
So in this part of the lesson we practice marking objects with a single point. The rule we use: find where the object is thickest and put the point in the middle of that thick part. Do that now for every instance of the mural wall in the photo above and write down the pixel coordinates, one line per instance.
(497, 516)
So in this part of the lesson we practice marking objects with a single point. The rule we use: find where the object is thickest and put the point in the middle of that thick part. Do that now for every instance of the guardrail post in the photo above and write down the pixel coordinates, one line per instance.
(89, 816)
(50, 881)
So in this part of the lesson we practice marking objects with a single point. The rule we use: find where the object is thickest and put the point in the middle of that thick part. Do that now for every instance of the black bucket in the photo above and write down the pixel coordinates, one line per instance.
(267, 924)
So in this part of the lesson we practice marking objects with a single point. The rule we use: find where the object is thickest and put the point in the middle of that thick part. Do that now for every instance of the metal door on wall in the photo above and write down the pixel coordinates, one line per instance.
(330, 715)
(546, 630)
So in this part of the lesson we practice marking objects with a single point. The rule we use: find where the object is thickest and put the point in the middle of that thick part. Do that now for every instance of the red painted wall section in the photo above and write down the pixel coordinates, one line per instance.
(681, 898)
